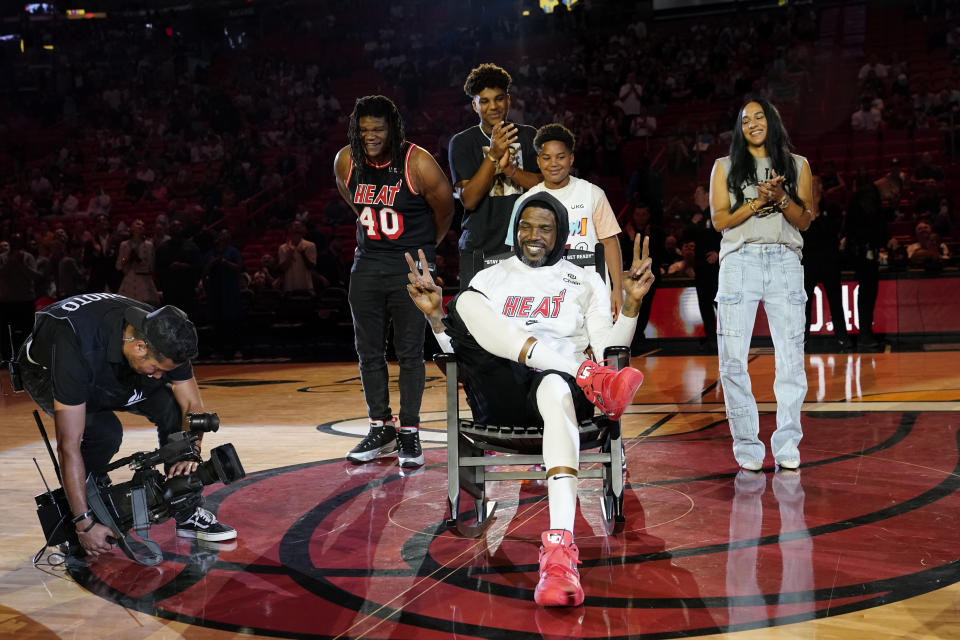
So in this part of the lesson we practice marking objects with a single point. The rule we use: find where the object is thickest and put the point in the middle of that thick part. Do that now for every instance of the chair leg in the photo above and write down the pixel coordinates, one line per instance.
(465, 478)
(471, 480)
(611, 500)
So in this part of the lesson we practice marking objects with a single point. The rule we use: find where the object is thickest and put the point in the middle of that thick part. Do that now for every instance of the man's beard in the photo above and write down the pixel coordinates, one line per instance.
(531, 262)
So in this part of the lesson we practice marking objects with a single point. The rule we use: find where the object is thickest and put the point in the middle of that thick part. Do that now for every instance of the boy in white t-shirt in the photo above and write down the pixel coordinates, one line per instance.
(591, 217)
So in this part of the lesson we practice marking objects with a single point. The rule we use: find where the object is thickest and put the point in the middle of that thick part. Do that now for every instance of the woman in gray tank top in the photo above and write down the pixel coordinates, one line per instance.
(758, 199)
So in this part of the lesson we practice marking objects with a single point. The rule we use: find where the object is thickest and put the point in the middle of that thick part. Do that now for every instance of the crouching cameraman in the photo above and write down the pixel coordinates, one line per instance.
(94, 354)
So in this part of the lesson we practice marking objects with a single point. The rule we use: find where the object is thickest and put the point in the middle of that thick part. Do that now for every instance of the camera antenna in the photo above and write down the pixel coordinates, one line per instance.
(46, 441)
(41, 476)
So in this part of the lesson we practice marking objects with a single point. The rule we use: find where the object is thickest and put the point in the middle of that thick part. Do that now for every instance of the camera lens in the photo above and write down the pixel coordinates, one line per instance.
(223, 466)
(203, 421)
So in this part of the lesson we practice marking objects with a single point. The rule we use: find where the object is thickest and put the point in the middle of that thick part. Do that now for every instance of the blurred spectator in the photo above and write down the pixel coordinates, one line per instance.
(926, 169)
(296, 259)
(865, 235)
(642, 124)
(684, 268)
(642, 221)
(19, 278)
(178, 270)
(630, 95)
(267, 276)
(102, 256)
(71, 275)
(927, 251)
(222, 271)
(821, 261)
(41, 190)
(706, 263)
(867, 117)
(160, 234)
(135, 259)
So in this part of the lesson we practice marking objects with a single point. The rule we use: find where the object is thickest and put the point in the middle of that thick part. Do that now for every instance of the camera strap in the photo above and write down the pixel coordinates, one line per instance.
(144, 551)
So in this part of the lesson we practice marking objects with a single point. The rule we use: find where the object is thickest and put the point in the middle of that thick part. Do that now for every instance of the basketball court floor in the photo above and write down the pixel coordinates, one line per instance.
(861, 543)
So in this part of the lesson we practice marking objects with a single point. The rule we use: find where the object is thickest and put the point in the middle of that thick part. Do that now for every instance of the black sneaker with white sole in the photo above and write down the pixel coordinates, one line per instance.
(381, 441)
(410, 454)
(203, 525)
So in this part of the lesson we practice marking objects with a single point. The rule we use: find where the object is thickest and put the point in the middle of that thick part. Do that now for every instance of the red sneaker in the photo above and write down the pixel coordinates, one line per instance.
(559, 584)
(609, 389)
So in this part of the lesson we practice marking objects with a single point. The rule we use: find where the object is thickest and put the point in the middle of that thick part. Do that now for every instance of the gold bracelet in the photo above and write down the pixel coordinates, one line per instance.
(784, 202)
(753, 205)
(492, 159)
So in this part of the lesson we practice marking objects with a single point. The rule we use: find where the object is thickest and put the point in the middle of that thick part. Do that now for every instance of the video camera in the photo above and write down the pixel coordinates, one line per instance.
(148, 498)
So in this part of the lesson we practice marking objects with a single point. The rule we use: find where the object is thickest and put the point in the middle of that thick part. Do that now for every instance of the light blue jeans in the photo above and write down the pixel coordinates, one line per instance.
(772, 274)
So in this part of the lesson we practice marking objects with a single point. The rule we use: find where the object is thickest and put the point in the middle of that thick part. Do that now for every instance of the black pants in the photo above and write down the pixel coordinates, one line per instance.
(500, 391)
(103, 431)
(868, 277)
(376, 301)
(826, 271)
(706, 280)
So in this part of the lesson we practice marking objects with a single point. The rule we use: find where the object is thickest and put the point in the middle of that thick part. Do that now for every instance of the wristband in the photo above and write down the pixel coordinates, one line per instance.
(82, 516)
(492, 159)
(92, 523)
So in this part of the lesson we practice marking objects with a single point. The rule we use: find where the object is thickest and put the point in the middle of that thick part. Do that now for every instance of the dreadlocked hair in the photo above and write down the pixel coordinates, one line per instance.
(486, 76)
(375, 107)
(743, 166)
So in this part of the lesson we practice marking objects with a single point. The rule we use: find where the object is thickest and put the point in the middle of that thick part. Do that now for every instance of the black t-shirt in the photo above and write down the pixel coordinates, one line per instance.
(79, 340)
(486, 226)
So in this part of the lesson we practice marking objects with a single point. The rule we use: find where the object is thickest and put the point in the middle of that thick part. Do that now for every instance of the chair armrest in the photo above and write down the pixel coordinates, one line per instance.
(444, 357)
(618, 355)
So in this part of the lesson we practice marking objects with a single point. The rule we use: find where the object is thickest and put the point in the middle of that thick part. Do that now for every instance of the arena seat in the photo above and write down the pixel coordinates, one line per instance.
(467, 440)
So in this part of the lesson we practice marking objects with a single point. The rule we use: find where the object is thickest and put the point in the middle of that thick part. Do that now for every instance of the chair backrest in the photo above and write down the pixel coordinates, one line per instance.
(579, 257)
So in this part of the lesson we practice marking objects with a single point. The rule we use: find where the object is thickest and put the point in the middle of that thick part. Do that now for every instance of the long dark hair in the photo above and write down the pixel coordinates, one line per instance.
(375, 107)
(743, 166)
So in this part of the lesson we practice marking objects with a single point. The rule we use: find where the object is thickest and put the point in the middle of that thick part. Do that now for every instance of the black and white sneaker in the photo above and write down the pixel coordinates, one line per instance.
(203, 525)
(410, 454)
(381, 441)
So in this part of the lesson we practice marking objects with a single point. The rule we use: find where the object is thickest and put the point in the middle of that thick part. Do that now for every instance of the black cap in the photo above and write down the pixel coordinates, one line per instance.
(168, 330)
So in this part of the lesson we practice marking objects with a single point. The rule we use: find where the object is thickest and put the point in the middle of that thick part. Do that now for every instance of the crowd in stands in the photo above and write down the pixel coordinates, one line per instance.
(173, 170)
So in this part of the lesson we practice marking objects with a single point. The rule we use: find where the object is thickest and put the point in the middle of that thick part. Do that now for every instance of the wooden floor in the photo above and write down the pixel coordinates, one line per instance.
(862, 543)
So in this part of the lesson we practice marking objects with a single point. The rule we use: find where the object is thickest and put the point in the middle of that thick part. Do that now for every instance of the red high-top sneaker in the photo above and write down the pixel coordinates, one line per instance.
(609, 389)
(559, 584)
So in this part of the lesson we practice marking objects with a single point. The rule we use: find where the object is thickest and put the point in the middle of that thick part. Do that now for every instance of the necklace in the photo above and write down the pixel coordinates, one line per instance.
(489, 138)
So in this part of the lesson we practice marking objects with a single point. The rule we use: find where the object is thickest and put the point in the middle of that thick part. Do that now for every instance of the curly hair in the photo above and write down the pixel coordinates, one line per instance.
(553, 131)
(375, 107)
(743, 166)
(486, 76)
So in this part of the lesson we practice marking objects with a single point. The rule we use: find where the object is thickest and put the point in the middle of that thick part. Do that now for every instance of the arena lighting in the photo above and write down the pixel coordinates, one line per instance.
(548, 6)
(83, 14)
(38, 7)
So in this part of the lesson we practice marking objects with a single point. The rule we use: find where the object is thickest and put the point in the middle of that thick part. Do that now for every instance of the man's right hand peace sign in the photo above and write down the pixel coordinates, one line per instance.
(425, 293)
(639, 278)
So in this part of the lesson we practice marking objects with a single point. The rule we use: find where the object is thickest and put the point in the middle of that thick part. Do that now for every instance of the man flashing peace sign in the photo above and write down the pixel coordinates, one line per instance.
(521, 333)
